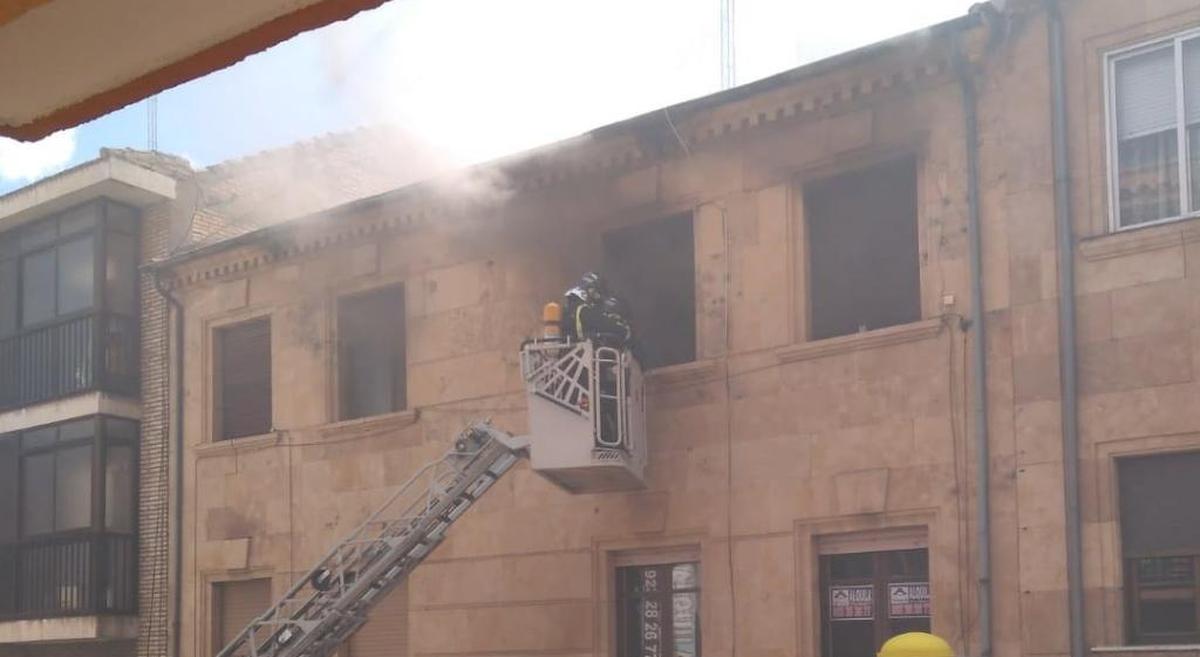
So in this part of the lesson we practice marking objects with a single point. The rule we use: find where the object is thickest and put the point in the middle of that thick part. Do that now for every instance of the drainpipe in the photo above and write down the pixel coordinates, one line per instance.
(1066, 328)
(176, 373)
(979, 402)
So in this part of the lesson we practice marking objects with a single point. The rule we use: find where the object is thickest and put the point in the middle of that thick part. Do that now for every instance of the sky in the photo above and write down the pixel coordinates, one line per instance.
(477, 79)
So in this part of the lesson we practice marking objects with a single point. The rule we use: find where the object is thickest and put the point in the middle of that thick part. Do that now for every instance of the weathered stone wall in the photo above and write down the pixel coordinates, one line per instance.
(763, 438)
(769, 441)
(1139, 304)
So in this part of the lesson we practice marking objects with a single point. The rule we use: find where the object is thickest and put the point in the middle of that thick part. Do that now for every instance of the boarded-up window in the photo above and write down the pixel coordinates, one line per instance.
(385, 634)
(371, 352)
(1160, 539)
(234, 605)
(862, 250)
(652, 267)
(243, 379)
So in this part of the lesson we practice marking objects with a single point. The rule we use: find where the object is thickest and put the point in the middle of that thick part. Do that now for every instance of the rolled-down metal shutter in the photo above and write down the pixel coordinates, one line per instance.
(244, 393)
(385, 634)
(235, 604)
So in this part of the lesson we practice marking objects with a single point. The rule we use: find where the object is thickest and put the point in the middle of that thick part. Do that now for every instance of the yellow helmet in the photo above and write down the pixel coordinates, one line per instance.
(916, 644)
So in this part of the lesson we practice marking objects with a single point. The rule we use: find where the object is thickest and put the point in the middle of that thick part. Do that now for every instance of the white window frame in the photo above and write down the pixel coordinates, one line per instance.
(1187, 209)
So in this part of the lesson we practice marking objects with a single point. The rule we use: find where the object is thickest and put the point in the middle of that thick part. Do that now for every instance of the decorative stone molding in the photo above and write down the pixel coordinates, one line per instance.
(806, 97)
(1114, 245)
(806, 103)
(366, 426)
(235, 446)
(238, 261)
(926, 328)
(700, 371)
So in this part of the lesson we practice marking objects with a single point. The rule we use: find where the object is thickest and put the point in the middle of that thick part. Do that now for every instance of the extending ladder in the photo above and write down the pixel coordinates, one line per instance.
(321, 610)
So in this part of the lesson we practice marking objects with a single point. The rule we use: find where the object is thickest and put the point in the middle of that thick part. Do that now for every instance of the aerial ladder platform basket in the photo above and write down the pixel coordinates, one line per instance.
(587, 434)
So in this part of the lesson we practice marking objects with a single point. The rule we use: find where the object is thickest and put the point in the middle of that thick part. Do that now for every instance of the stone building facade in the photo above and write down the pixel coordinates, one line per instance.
(84, 390)
(812, 434)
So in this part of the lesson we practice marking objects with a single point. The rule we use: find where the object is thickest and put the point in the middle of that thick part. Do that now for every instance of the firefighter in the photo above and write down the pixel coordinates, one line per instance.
(580, 305)
(612, 327)
(591, 312)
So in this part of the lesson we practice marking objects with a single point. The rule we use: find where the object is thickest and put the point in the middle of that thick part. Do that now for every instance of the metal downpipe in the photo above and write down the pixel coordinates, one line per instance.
(1066, 330)
(176, 373)
(979, 401)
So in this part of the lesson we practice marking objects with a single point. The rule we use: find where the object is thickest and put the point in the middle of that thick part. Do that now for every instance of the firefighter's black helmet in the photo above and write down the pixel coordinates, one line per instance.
(591, 288)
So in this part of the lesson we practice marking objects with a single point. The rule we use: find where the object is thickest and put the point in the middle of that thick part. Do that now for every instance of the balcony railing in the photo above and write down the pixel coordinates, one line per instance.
(92, 352)
(69, 576)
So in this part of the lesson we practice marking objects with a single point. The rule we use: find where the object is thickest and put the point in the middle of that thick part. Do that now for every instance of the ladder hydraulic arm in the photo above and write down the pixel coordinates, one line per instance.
(321, 610)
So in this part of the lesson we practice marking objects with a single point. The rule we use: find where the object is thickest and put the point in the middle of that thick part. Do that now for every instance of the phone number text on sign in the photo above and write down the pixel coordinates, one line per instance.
(852, 602)
(652, 629)
(908, 600)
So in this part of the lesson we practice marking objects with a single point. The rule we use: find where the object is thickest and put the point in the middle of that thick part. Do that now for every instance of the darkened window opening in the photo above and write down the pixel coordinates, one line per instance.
(371, 353)
(862, 250)
(243, 379)
(68, 518)
(658, 610)
(1160, 541)
(869, 597)
(652, 267)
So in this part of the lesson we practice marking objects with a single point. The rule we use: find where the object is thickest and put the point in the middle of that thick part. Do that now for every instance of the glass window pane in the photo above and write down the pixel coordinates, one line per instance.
(37, 494)
(852, 566)
(685, 624)
(41, 437)
(37, 288)
(1169, 616)
(653, 620)
(120, 274)
(122, 218)
(683, 576)
(39, 233)
(78, 218)
(118, 488)
(1158, 510)
(76, 273)
(73, 488)
(8, 297)
(1191, 80)
(120, 430)
(77, 430)
(1148, 178)
(1191, 99)
(10, 244)
(1148, 142)
(9, 493)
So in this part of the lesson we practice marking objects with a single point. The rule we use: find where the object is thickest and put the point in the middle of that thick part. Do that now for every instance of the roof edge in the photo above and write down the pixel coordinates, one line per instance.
(791, 76)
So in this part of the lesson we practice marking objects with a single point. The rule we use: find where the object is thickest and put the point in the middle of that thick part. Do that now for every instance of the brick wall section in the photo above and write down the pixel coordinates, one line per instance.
(154, 498)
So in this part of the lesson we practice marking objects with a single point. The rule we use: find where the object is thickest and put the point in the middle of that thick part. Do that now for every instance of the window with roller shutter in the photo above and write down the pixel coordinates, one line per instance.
(1160, 540)
(243, 380)
(1154, 131)
(371, 355)
(234, 605)
(385, 634)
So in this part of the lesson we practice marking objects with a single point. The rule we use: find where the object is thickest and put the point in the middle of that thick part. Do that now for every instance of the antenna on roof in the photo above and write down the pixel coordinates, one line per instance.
(152, 123)
(728, 61)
